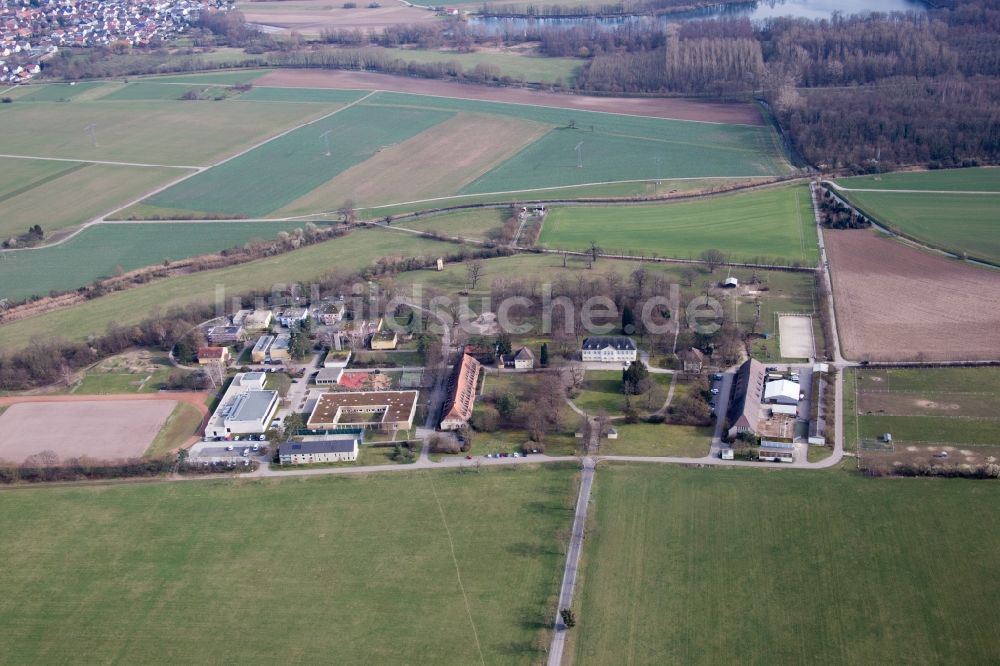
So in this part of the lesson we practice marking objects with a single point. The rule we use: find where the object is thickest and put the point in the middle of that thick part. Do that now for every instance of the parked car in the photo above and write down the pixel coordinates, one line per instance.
(941, 454)
(715, 391)
(229, 448)
(246, 452)
(468, 457)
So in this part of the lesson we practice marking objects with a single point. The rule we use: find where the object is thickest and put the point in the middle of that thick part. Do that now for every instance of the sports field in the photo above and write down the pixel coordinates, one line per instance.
(930, 406)
(73, 193)
(949, 209)
(717, 566)
(101, 250)
(344, 255)
(465, 570)
(770, 225)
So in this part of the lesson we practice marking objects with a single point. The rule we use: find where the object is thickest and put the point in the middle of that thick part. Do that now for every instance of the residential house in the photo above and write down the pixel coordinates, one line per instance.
(209, 355)
(384, 340)
(692, 360)
(522, 359)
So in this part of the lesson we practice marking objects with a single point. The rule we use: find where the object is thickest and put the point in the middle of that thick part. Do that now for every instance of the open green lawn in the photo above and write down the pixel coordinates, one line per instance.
(716, 566)
(343, 255)
(302, 569)
(282, 170)
(520, 67)
(147, 132)
(78, 193)
(602, 393)
(101, 250)
(648, 439)
(985, 179)
(135, 371)
(183, 423)
(770, 225)
(932, 429)
(957, 223)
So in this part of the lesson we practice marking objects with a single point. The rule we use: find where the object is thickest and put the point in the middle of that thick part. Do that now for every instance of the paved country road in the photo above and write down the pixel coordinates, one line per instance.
(572, 561)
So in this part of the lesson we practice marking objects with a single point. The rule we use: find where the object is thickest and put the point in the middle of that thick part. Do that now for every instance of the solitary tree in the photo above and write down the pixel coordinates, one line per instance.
(543, 357)
(628, 320)
(474, 271)
(595, 249)
(568, 618)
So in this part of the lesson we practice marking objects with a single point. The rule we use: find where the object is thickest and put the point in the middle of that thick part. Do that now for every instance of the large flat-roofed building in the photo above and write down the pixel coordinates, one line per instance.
(225, 335)
(384, 340)
(246, 408)
(609, 349)
(292, 316)
(744, 402)
(461, 393)
(259, 352)
(279, 349)
(379, 410)
(327, 449)
(781, 392)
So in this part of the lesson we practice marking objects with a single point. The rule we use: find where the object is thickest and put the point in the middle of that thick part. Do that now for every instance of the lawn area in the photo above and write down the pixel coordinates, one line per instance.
(602, 393)
(957, 223)
(932, 430)
(182, 424)
(983, 179)
(149, 562)
(898, 571)
(520, 67)
(101, 250)
(148, 132)
(648, 439)
(345, 254)
(278, 172)
(77, 193)
(773, 225)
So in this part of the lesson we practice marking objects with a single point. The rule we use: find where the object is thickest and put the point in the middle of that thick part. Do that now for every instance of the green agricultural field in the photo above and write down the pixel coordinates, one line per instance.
(620, 147)
(143, 91)
(712, 566)
(282, 170)
(465, 570)
(623, 190)
(160, 132)
(101, 250)
(344, 255)
(959, 223)
(18, 176)
(57, 92)
(986, 179)
(215, 78)
(79, 192)
(520, 67)
(771, 225)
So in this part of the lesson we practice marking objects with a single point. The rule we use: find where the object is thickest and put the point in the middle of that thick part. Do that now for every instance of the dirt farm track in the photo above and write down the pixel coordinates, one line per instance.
(657, 107)
(897, 303)
(103, 427)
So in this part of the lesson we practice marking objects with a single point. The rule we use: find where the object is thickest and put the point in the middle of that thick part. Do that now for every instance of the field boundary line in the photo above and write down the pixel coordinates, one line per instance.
(858, 189)
(107, 162)
(458, 572)
(541, 106)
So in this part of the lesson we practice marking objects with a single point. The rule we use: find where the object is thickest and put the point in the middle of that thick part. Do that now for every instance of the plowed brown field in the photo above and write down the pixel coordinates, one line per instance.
(897, 303)
(657, 107)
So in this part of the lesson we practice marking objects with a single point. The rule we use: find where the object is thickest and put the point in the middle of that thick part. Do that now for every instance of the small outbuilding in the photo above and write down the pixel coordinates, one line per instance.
(730, 283)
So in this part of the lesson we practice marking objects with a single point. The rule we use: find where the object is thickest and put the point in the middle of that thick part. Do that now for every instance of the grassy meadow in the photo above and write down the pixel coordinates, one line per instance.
(985, 179)
(465, 569)
(774, 224)
(709, 566)
(518, 66)
(930, 406)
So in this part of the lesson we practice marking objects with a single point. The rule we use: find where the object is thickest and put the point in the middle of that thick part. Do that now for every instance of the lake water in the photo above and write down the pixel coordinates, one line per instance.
(758, 11)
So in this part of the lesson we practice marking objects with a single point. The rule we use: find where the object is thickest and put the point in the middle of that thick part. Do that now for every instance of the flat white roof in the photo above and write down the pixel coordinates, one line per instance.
(781, 388)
